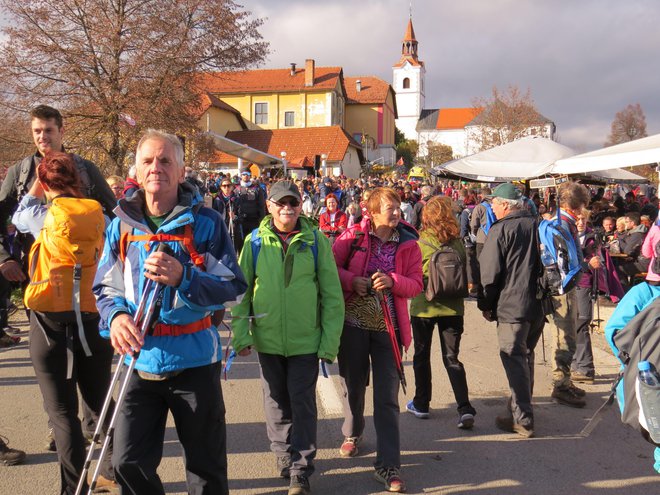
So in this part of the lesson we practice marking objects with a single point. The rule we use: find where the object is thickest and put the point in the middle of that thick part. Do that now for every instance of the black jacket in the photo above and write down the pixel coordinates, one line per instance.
(510, 267)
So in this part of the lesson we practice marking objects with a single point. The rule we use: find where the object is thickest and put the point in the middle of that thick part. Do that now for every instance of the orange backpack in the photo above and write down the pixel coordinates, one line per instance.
(64, 258)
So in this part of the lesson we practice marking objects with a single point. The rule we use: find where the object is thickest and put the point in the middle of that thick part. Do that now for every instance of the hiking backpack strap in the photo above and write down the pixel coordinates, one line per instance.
(255, 244)
(354, 247)
(23, 177)
(75, 294)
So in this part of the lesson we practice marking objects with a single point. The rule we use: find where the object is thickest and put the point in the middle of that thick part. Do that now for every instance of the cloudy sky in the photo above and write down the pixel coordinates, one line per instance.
(583, 60)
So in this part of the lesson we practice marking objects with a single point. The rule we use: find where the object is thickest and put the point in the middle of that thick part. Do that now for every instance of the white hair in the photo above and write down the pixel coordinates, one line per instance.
(514, 204)
(161, 136)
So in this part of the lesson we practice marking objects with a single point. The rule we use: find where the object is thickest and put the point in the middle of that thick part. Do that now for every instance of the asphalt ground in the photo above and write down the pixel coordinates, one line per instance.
(436, 456)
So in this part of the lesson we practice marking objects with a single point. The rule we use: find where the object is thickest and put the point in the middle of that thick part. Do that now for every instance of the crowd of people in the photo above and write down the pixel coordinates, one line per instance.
(312, 269)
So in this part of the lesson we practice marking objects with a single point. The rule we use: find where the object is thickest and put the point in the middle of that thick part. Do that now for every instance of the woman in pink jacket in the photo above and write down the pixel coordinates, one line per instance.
(379, 259)
(648, 251)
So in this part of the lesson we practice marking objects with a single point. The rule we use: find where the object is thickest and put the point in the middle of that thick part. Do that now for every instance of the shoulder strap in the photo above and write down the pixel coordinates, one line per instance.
(23, 177)
(354, 247)
(84, 175)
(255, 244)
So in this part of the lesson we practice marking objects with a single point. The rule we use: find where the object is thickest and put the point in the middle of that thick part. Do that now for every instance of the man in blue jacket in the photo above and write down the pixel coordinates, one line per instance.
(178, 365)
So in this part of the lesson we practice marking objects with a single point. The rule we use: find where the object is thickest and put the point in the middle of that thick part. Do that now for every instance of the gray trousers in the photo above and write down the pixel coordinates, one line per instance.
(583, 360)
(357, 349)
(565, 321)
(289, 386)
(517, 342)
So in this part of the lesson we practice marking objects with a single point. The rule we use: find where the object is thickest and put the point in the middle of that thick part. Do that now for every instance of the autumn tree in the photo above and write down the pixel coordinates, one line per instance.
(628, 124)
(117, 67)
(438, 153)
(503, 117)
(405, 148)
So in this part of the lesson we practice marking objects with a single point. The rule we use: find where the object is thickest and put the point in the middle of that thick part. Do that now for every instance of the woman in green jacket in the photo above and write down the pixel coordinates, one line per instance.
(439, 227)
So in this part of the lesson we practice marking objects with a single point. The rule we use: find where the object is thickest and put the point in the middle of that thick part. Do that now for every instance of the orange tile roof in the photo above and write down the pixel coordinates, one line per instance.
(407, 58)
(208, 100)
(456, 118)
(269, 80)
(374, 90)
(299, 144)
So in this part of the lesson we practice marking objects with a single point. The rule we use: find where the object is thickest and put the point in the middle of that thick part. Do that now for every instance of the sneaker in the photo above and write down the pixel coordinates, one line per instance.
(283, 466)
(391, 478)
(350, 447)
(105, 485)
(8, 456)
(410, 407)
(299, 485)
(568, 397)
(9, 340)
(11, 330)
(506, 423)
(466, 421)
(578, 377)
(50, 441)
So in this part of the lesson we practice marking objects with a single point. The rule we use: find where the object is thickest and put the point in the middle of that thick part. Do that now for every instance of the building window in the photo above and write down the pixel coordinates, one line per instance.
(261, 113)
(406, 83)
(289, 119)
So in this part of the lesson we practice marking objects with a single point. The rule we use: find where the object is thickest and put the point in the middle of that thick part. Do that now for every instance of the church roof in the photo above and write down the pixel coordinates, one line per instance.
(410, 32)
(446, 118)
(270, 80)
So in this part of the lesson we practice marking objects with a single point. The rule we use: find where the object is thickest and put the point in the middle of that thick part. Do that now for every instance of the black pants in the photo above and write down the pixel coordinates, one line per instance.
(289, 386)
(195, 399)
(583, 359)
(48, 350)
(5, 293)
(450, 329)
(357, 350)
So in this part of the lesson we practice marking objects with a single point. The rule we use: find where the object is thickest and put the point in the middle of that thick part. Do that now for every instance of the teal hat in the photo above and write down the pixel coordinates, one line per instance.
(506, 191)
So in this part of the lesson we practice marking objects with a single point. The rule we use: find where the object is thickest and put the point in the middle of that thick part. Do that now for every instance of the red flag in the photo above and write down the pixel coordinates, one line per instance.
(400, 161)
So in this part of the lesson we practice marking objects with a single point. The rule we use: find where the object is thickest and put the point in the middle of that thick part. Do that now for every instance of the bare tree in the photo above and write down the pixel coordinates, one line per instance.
(117, 67)
(628, 124)
(504, 117)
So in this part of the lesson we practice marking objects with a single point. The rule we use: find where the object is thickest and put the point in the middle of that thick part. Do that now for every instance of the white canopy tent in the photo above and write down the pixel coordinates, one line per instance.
(639, 152)
(525, 158)
(617, 175)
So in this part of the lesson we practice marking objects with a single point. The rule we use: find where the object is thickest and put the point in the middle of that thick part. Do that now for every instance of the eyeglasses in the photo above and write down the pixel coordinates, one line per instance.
(292, 202)
(225, 185)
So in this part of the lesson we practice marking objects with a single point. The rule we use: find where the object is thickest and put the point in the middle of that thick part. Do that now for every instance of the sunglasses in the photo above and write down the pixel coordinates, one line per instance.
(225, 185)
(292, 202)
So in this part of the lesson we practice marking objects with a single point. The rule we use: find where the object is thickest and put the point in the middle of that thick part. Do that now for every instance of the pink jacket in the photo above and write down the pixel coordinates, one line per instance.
(407, 273)
(648, 251)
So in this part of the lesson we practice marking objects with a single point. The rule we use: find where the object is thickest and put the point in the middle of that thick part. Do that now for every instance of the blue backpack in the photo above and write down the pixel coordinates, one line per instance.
(490, 217)
(255, 244)
(560, 245)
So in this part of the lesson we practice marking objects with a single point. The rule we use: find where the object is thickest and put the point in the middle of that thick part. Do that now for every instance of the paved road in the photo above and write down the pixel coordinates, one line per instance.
(437, 457)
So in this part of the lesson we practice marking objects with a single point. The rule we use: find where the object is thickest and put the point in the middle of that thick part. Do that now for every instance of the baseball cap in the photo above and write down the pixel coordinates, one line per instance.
(245, 172)
(282, 189)
(506, 191)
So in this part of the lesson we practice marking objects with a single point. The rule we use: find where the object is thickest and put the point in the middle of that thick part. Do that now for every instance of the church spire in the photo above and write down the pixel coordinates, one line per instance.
(409, 42)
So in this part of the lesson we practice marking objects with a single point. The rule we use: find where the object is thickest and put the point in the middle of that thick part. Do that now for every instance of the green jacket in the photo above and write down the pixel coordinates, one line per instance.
(419, 306)
(303, 311)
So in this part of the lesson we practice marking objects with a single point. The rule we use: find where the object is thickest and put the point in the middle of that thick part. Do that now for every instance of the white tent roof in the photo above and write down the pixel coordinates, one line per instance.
(617, 175)
(531, 156)
(250, 155)
(638, 152)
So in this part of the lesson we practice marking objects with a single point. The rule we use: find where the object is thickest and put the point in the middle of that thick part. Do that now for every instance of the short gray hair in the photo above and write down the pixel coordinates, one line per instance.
(161, 136)
(427, 191)
(514, 204)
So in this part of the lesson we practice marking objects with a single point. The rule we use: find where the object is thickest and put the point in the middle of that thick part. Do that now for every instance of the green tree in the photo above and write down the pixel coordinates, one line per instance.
(117, 67)
(405, 148)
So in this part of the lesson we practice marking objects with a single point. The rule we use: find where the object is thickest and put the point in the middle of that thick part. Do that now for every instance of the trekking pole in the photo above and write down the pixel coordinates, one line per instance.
(144, 317)
(396, 353)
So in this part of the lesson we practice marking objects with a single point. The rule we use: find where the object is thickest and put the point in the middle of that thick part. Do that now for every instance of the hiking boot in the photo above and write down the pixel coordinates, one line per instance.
(50, 441)
(506, 423)
(391, 478)
(466, 421)
(9, 340)
(9, 456)
(578, 377)
(299, 485)
(350, 447)
(567, 397)
(283, 466)
(577, 390)
(410, 407)
(104, 485)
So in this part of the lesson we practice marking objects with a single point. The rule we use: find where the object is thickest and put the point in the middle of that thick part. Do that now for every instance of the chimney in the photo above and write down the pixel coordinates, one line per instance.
(358, 85)
(309, 72)
(293, 69)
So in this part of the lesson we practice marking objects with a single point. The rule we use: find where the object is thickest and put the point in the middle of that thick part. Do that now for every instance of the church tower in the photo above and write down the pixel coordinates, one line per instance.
(408, 83)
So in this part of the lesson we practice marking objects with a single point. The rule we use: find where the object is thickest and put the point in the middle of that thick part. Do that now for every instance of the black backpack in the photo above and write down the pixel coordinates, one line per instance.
(447, 274)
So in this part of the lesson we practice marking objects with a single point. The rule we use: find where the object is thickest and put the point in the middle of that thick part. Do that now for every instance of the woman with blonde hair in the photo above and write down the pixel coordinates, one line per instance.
(439, 228)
